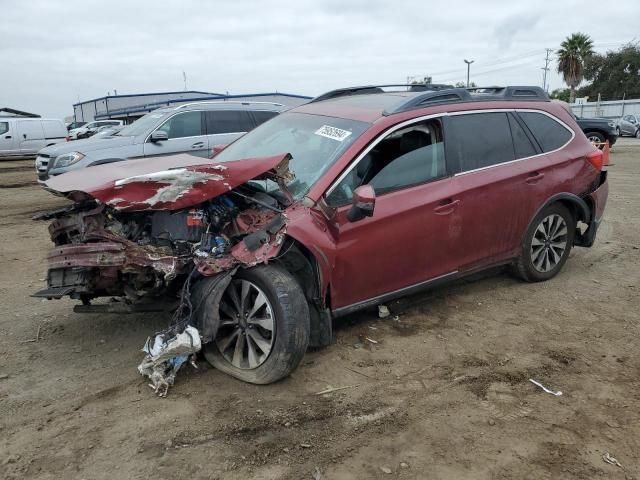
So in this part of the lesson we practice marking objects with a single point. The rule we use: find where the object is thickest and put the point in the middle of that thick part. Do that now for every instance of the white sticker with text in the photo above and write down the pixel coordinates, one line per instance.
(333, 132)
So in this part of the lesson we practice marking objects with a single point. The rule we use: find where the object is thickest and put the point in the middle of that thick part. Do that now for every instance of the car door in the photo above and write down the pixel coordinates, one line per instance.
(492, 187)
(6, 138)
(411, 237)
(224, 126)
(30, 136)
(186, 132)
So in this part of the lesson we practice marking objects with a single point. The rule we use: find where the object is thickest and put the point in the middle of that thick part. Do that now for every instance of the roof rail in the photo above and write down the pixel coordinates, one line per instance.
(229, 101)
(367, 89)
(475, 94)
(512, 92)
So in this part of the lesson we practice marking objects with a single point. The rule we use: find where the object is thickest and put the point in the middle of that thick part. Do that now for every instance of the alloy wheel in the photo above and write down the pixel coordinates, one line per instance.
(247, 325)
(549, 243)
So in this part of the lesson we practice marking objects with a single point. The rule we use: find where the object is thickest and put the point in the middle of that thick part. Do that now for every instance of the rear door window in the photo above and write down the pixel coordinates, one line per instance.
(4, 127)
(478, 140)
(521, 142)
(228, 121)
(550, 134)
(262, 116)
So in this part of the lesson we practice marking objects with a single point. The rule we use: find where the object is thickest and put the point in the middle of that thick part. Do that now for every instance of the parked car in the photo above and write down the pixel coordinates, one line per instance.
(72, 125)
(23, 137)
(629, 125)
(598, 130)
(107, 131)
(88, 129)
(192, 127)
(343, 203)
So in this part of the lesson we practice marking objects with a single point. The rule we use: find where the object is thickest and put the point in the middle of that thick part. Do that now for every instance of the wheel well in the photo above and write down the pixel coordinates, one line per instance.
(300, 262)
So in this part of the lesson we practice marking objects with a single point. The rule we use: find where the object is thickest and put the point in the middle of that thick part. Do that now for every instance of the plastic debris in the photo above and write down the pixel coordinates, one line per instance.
(611, 460)
(557, 394)
(383, 311)
(165, 356)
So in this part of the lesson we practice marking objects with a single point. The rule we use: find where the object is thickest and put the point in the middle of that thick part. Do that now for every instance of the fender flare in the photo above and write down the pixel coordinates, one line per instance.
(582, 209)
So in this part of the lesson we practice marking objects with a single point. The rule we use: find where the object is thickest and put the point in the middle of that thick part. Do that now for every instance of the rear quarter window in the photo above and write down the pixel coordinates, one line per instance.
(4, 127)
(228, 121)
(549, 133)
(262, 116)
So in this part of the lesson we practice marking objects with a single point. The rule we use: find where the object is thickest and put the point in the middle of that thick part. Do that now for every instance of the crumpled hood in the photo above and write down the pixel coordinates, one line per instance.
(164, 183)
(87, 145)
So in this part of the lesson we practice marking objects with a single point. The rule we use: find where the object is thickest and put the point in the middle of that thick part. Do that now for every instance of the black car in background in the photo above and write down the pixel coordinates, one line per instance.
(599, 130)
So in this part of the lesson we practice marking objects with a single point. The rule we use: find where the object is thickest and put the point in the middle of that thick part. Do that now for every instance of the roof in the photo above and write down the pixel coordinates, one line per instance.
(17, 113)
(369, 103)
(363, 107)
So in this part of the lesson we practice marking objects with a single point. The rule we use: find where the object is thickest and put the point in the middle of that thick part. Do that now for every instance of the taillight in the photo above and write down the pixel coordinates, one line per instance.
(596, 158)
(67, 138)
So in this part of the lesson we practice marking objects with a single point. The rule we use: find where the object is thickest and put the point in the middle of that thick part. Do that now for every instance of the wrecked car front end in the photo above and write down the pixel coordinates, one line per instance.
(138, 229)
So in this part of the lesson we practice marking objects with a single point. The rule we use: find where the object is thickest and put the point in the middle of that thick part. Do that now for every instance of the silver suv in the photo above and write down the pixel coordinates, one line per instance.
(190, 128)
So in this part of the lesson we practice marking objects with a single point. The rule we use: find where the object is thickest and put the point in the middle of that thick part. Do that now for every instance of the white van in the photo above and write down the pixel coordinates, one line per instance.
(23, 137)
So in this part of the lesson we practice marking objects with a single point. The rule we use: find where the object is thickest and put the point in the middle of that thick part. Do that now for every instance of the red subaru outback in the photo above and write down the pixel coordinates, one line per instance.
(360, 196)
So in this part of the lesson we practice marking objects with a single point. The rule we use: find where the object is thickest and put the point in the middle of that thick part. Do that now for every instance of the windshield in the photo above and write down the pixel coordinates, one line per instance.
(142, 125)
(314, 142)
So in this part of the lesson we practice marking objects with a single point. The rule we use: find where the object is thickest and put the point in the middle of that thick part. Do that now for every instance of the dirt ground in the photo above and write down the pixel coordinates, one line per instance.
(442, 392)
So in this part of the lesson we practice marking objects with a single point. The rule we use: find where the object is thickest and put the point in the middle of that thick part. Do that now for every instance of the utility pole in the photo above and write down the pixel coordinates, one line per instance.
(184, 77)
(468, 62)
(546, 69)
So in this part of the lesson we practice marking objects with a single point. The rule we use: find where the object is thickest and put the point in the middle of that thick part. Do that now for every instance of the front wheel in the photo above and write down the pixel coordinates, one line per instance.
(264, 326)
(638, 133)
(547, 244)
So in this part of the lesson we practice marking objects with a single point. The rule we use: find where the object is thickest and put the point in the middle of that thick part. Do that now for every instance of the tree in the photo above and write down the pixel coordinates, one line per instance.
(561, 94)
(464, 85)
(573, 52)
(614, 75)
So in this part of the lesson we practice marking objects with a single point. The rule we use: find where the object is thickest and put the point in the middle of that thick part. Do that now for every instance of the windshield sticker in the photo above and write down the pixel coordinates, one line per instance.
(333, 132)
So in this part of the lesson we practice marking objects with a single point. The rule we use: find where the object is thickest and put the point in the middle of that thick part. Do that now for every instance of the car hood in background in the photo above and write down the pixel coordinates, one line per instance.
(86, 146)
(164, 183)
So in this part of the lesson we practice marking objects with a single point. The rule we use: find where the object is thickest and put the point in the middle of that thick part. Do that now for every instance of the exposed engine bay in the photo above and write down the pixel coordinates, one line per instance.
(100, 251)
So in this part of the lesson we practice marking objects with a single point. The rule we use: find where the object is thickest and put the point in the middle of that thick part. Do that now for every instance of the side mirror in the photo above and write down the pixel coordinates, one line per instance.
(158, 136)
(364, 201)
(217, 149)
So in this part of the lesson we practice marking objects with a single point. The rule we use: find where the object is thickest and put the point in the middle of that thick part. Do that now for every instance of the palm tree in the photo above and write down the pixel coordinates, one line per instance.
(571, 56)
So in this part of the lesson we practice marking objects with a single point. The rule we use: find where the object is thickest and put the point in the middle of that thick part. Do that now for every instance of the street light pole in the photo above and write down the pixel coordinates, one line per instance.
(468, 62)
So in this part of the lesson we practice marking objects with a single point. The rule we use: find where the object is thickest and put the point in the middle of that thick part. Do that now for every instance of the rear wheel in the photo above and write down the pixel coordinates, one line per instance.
(596, 137)
(638, 133)
(547, 244)
(264, 326)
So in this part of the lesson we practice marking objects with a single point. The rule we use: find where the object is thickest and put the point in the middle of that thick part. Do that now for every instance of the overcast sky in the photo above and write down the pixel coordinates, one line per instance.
(54, 53)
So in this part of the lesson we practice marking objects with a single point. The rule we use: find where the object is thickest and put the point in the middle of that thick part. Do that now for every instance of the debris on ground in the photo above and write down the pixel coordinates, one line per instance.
(317, 474)
(375, 342)
(611, 460)
(166, 355)
(404, 465)
(335, 389)
(386, 470)
(383, 311)
(557, 394)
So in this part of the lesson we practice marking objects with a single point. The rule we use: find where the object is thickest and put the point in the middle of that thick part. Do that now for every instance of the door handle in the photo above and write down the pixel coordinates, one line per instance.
(8, 136)
(446, 207)
(24, 135)
(198, 145)
(534, 178)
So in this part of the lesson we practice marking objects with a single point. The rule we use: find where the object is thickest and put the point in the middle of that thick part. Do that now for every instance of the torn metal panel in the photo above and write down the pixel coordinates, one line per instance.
(166, 183)
(165, 355)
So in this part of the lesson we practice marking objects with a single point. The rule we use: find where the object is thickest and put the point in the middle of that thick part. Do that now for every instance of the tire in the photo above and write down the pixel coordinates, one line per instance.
(287, 313)
(530, 266)
(596, 137)
(618, 131)
(637, 133)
